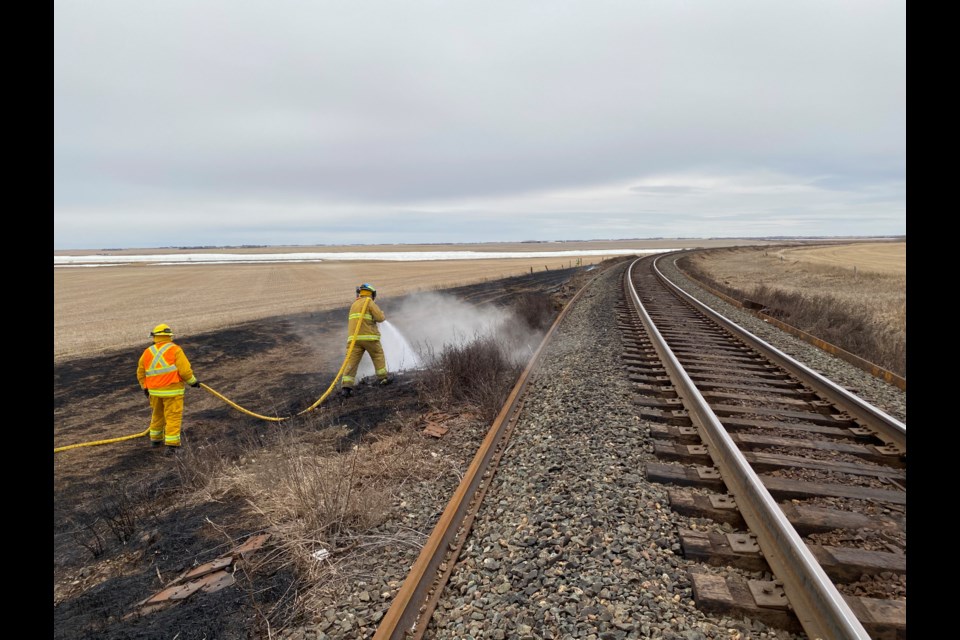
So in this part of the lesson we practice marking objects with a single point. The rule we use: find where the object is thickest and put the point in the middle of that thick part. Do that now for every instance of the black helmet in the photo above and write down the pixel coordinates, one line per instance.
(367, 287)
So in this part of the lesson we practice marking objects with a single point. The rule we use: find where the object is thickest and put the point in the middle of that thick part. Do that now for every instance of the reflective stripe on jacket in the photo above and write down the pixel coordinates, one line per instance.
(368, 321)
(163, 368)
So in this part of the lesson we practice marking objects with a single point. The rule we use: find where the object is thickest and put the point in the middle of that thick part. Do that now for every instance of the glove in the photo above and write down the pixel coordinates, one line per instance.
(196, 384)
(146, 392)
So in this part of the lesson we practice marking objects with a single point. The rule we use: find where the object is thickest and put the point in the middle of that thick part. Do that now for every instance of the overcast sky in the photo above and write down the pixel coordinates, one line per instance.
(325, 122)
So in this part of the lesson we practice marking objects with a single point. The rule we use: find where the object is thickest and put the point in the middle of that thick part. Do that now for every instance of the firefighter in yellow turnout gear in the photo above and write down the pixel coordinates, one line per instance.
(367, 339)
(162, 371)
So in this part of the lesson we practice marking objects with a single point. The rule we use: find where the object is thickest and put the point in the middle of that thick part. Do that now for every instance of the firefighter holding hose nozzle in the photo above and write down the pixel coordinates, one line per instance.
(367, 339)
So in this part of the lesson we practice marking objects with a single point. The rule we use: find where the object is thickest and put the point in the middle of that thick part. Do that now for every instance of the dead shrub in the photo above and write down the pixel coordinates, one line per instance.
(478, 373)
(537, 310)
(121, 518)
(862, 313)
(117, 514)
(846, 323)
(88, 535)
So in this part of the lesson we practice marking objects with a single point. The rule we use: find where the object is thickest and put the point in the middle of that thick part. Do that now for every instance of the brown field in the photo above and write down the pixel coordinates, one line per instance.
(880, 257)
(106, 308)
(101, 309)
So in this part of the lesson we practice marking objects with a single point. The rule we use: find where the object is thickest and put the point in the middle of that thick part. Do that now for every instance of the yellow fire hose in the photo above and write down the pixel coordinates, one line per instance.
(336, 378)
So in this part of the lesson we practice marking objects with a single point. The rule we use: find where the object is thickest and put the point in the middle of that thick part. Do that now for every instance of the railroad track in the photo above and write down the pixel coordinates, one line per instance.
(761, 433)
(786, 493)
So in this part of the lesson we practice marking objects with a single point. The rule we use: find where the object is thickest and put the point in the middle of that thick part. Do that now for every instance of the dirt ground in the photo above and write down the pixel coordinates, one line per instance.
(128, 519)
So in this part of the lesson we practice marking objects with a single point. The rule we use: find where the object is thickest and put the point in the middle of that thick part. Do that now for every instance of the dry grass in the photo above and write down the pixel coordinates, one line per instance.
(876, 257)
(323, 499)
(314, 494)
(862, 309)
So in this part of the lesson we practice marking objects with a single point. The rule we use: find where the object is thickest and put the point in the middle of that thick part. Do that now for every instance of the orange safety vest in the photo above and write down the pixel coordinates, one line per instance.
(159, 365)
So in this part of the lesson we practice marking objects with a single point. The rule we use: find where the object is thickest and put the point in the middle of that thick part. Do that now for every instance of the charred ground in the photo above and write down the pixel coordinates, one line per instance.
(128, 519)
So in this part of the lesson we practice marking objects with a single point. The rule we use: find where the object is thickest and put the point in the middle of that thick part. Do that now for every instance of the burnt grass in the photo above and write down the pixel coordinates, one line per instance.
(127, 519)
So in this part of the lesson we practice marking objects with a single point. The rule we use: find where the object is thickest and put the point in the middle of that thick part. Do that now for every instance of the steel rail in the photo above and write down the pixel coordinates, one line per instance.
(821, 609)
(885, 427)
(410, 611)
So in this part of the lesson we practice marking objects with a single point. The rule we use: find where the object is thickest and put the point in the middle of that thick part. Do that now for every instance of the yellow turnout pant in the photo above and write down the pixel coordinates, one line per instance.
(166, 419)
(375, 350)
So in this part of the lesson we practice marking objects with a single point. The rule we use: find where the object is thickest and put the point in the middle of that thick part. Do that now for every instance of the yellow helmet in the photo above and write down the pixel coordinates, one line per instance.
(162, 330)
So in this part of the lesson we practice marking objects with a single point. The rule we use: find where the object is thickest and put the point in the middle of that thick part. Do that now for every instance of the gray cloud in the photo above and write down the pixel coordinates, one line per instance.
(258, 122)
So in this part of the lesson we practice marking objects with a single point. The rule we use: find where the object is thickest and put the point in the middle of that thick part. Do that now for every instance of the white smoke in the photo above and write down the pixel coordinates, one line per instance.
(424, 323)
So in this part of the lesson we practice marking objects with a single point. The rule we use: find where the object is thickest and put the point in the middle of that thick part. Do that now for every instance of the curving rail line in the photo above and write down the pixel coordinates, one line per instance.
(756, 434)
(822, 610)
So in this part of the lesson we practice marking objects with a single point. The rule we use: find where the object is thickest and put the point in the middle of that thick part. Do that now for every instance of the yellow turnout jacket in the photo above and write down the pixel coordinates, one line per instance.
(368, 321)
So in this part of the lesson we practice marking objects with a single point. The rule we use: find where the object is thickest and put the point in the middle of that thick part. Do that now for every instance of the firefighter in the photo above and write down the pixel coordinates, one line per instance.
(162, 371)
(367, 339)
